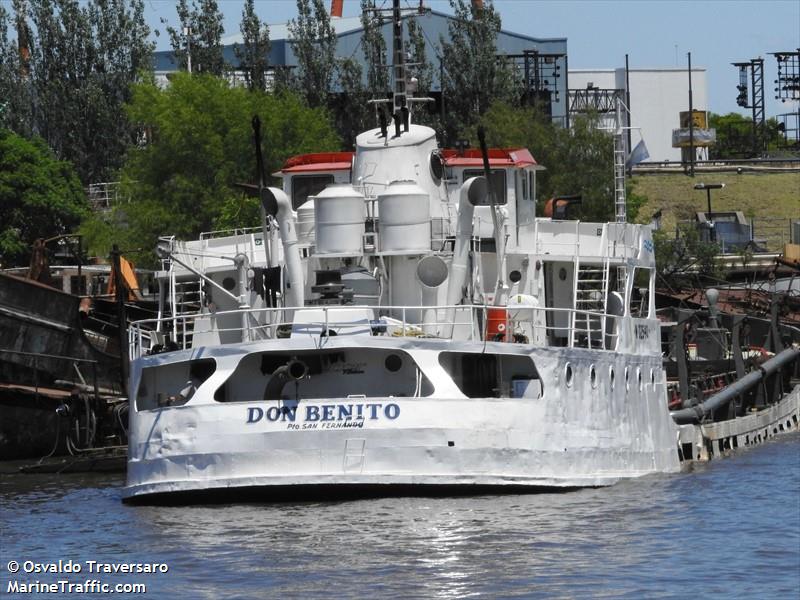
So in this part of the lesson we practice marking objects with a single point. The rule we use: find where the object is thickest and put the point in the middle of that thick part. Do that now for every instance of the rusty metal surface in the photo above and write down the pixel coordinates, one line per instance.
(751, 302)
(37, 320)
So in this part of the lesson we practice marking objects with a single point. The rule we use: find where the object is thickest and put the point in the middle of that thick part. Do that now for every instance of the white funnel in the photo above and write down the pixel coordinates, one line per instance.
(431, 273)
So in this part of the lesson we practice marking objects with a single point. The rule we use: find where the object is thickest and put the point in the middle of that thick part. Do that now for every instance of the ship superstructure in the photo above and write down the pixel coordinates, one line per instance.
(402, 318)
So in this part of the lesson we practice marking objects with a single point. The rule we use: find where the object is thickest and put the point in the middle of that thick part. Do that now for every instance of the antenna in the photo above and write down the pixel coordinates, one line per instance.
(400, 100)
(399, 58)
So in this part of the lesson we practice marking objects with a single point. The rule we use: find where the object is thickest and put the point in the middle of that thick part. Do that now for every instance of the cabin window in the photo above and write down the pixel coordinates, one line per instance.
(317, 375)
(641, 292)
(172, 384)
(492, 375)
(498, 177)
(526, 212)
(304, 186)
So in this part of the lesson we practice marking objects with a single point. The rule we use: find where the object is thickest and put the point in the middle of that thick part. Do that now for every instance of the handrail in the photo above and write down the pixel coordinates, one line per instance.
(74, 360)
(586, 331)
(56, 356)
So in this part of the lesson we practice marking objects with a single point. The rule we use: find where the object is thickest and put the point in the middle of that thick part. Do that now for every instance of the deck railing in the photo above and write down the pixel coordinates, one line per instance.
(557, 327)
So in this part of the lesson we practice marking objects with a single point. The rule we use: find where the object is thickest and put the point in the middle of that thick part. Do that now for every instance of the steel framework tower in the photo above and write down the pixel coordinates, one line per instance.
(754, 99)
(787, 87)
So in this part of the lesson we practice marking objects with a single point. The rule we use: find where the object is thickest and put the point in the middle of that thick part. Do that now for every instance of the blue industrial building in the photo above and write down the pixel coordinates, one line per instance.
(542, 62)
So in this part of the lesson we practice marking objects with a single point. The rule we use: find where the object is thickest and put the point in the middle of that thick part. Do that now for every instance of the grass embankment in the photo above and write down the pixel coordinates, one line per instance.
(769, 201)
(760, 196)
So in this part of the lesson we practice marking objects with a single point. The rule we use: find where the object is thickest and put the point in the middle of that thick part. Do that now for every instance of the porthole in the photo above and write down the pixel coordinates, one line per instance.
(562, 274)
(568, 375)
(611, 377)
(652, 376)
(437, 167)
(229, 283)
(593, 376)
(639, 377)
(627, 379)
(393, 363)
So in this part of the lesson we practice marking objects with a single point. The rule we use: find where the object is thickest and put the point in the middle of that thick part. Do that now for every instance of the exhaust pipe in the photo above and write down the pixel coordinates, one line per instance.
(288, 231)
(294, 370)
(472, 193)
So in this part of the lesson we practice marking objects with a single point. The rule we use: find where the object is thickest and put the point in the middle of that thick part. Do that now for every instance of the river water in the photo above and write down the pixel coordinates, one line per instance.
(727, 529)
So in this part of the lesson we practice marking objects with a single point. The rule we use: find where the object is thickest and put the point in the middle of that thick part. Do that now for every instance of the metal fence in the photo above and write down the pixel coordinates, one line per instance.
(769, 234)
(103, 196)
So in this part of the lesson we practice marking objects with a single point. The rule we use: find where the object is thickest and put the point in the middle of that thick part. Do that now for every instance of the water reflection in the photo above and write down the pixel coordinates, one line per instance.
(730, 527)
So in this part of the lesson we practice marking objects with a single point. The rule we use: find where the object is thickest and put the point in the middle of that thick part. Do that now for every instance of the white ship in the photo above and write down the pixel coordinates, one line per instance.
(397, 322)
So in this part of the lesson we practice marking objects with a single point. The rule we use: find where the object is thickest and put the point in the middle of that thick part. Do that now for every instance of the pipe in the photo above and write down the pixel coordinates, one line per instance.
(498, 223)
(429, 309)
(293, 370)
(291, 254)
(696, 414)
(472, 190)
(240, 260)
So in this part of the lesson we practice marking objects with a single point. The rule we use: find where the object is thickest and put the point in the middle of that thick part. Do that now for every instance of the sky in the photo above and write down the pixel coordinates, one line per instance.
(654, 33)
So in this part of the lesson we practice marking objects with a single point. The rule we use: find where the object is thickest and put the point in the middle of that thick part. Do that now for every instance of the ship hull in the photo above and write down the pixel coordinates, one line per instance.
(593, 432)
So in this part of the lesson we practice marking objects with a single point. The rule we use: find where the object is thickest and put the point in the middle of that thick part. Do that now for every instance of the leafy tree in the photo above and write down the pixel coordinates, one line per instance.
(373, 45)
(40, 196)
(577, 160)
(199, 37)
(253, 55)
(422, 70)
(351, 110)
(200, 144)
(686, 260)
(15, 104)
(474, 77)
(121, 55)
(735, 136)
(314, 45)
(72, 76)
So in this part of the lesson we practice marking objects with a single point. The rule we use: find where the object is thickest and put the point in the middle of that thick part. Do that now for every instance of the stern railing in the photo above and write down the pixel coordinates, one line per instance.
(535, 326)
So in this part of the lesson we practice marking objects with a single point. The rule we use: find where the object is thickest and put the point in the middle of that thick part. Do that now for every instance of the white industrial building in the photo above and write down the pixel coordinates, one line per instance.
(657, 97)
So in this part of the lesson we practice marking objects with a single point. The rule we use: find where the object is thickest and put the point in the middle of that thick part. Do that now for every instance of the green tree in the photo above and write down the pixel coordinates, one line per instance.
(314, 46)
(121, 55)
(73, 74)
(578, 160)
(40, 196)
(181, 182)
(686, 260)
(373, 45)
(422, 71)
(735, 136)
(350, 107)
(199, 37)
(15, 104)
(474, 77)
(253, 54)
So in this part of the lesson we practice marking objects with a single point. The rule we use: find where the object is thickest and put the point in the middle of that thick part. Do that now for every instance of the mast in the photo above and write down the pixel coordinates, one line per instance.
(400, 99)
(399, 61)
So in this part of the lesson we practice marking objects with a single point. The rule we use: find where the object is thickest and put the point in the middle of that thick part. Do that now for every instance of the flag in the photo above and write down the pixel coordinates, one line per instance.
(639, 154)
